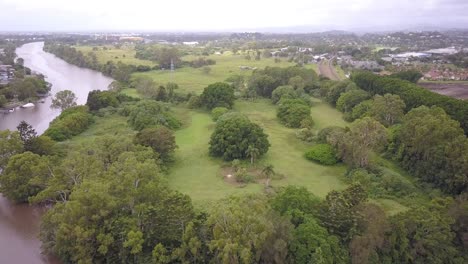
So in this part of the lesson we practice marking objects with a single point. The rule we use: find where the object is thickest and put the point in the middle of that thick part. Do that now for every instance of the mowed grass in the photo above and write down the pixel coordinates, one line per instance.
(197, 174)
(286, 153)
(195, 80)
(125, 54)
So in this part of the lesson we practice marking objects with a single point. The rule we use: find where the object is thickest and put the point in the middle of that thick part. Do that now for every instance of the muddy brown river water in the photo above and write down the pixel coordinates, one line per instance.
(19, 224)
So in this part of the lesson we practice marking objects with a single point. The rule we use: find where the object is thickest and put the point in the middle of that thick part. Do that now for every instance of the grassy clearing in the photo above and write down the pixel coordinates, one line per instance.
(195, 80)
(194, 172)
(108, 125)
(198, 175)
(124, 54)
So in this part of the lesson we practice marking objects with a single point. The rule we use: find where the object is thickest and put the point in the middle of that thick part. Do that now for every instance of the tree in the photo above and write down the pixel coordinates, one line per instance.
(365, 135)
(242, 230)
(268, 171)
(10, 145)
(283, 92)
(217, 112)
(297, 203)
(421, 236)
(63, 100)
(217, 95)
(24, 176)
(313, 244)
(27, 134)
(190, 251)
(372, 224)
(291, 112)
(149, 113)
(297, 82)
(161, 139)
(433, 147)
(252, 152)
(233, 135)
(339, 212)
(348, 100)
(101, 99)
(387, 109)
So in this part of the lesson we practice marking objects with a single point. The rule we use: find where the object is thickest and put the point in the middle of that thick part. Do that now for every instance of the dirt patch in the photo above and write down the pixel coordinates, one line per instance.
(452, 89)
(229, 175)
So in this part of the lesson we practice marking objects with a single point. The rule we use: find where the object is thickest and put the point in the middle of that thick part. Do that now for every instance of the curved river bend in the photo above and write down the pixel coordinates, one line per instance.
(62, 76)
(19, 224)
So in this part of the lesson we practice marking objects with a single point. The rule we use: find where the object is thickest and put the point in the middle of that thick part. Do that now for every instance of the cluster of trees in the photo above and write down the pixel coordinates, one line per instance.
(293, 112)
(426, 141)
(71, 122)
(200, 62)
(413, 95)
(163, 55)
(147, 87)
(118, 71)
(26, 87)
(150, 113)
(263, 82)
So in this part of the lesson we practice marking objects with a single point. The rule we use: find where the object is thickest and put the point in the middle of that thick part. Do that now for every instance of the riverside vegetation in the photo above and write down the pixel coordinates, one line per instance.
(142, 173)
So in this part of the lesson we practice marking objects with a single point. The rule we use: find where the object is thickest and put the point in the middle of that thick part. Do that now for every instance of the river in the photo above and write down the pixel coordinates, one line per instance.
(19, 224)
(62, 76)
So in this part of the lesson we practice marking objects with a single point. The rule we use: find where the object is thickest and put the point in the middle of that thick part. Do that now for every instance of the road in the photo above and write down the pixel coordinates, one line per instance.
(326, 69)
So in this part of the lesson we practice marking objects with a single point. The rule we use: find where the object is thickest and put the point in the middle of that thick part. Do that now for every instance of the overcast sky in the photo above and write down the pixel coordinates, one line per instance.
(221, 15)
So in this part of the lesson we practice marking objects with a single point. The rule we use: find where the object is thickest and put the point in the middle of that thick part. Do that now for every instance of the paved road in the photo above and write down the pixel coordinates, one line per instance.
(326, 69)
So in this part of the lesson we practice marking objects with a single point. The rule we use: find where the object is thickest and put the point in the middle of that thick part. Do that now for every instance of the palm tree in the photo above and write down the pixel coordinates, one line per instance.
(268, 171)
(252, 152)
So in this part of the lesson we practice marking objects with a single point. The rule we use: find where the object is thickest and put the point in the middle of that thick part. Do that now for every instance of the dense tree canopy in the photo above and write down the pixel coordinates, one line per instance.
(291, 112)
(217, 95)
(387, 109)
(149, 113)
(64, 99)
(433, 147)
(233, 135)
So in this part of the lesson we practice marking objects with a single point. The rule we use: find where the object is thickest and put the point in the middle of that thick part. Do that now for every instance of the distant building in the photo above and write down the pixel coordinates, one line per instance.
(190, 43)
(7, 73)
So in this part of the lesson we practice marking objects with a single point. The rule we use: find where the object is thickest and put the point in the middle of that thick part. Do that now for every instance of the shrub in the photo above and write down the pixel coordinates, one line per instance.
(323, 154)
(149, 113)
(217, 112)
(283, 92)
(100, 99)
(70, 122)
(292, 111)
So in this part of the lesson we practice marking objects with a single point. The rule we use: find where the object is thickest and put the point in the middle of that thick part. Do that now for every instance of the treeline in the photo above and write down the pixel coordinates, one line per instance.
(413, 95)
(163, 55)
(118, 71)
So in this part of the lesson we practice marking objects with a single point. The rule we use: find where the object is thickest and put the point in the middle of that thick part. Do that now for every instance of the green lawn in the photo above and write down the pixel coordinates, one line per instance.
(198, 175)
(194, 172)
(124, 54)
(195, 80)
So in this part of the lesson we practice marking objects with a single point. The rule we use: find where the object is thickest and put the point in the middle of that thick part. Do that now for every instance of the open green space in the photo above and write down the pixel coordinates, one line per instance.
(198, 175)
(125, 54)
(195, 80)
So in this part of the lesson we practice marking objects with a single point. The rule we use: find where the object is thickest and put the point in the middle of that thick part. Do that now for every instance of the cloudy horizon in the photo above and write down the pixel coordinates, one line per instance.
(210, 15)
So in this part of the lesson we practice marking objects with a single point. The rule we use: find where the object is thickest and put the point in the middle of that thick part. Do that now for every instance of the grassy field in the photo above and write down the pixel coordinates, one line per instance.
(195, 80)
(125, 55)
(198, 175)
